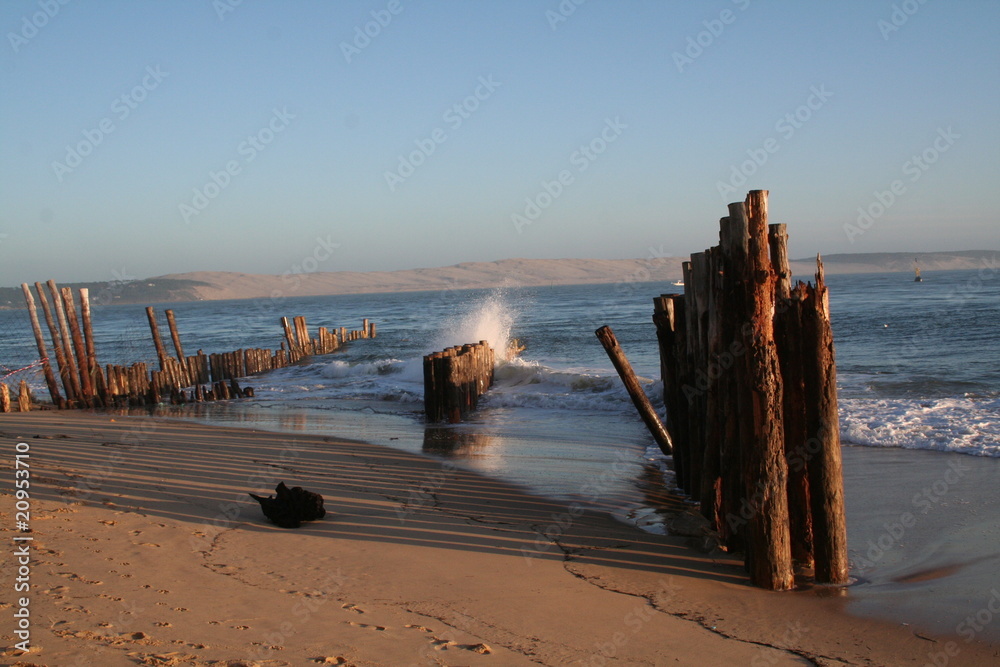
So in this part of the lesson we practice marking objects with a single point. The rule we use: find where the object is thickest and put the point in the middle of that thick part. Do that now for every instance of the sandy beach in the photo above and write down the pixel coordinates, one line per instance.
(147, 550)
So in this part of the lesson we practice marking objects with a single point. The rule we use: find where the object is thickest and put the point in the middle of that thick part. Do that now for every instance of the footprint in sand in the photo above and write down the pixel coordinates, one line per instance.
(352, 607)
(419, 627)
(180, 609)
(445, 644)
(148, 544)
(163, 624)
(241, 627)
(367, 626)
(109, 523)
(330, 660)
(72, 576)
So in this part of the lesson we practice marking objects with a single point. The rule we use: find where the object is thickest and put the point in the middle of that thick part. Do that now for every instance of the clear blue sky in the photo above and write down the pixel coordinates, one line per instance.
(115, 113)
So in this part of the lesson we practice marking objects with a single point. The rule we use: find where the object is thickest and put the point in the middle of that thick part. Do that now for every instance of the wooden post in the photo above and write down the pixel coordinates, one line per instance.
(172, 323)
(825, 467)
(93, 368)
(734, 240)
(161, 352)
(788, 333)
(54, 333)
(668, 316)
(766, 470)
(23, 397)
(778, 238)
(67, 348)
(36, 328)
(639, 398)
(4, 398)
(86, 386)
(293, 343)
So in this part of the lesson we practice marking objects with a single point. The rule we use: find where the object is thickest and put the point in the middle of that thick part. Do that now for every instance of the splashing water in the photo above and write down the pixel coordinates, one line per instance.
(490, 319)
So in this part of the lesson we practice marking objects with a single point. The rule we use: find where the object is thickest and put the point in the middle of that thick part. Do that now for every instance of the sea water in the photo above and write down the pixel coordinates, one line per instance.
(918, 368)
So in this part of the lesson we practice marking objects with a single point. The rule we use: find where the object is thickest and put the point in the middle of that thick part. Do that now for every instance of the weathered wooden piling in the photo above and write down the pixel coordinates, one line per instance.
(748, 368)
(455, 378)
(4, 398)
(635, 392)
(23, 397)
(36, 329)
(64, 372)
(179, 379)
(161, 351)
(73, 372)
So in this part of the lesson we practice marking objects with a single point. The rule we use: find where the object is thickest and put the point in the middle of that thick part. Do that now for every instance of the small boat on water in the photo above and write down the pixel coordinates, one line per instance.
(679, 283)
(916, 269)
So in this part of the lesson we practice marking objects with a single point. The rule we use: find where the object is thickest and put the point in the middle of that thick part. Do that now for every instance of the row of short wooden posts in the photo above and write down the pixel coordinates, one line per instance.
(179, 378)
(300, 343)
(455, 378)
(749, 375)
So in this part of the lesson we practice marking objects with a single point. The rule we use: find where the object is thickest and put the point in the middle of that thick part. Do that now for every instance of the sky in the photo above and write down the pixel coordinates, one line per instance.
(141, 138)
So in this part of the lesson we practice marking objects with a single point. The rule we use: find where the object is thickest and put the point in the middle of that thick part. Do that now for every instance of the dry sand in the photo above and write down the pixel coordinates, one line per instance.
(147, 551)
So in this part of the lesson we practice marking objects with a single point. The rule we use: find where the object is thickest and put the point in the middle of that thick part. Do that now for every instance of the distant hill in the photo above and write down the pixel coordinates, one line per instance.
(214, 285)
(150, 290)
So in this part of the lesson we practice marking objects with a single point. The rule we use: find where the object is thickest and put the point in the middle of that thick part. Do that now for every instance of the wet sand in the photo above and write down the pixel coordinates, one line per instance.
(924, 536)
(147, 550)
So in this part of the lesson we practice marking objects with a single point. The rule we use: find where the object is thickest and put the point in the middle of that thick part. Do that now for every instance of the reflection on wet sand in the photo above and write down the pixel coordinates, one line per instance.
(456, 443)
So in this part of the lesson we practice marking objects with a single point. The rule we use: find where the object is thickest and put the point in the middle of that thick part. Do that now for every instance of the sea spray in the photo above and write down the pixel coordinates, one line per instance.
(490, 318)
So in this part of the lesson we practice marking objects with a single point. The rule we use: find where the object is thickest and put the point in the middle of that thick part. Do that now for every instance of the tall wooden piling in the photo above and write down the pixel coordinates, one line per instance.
(80, 349)
(752, 373)
(825, 466)
(635, 392)
(64, 339)
(64, 373)
(174, 335)
(93, 367)
(161, 352)
(766, 470)
(36, 329)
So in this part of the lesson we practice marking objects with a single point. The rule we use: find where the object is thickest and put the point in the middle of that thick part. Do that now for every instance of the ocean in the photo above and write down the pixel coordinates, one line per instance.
(918, 369)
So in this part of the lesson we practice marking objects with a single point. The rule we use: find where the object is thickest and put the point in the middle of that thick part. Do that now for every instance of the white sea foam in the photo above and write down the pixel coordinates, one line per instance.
(969, 425)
